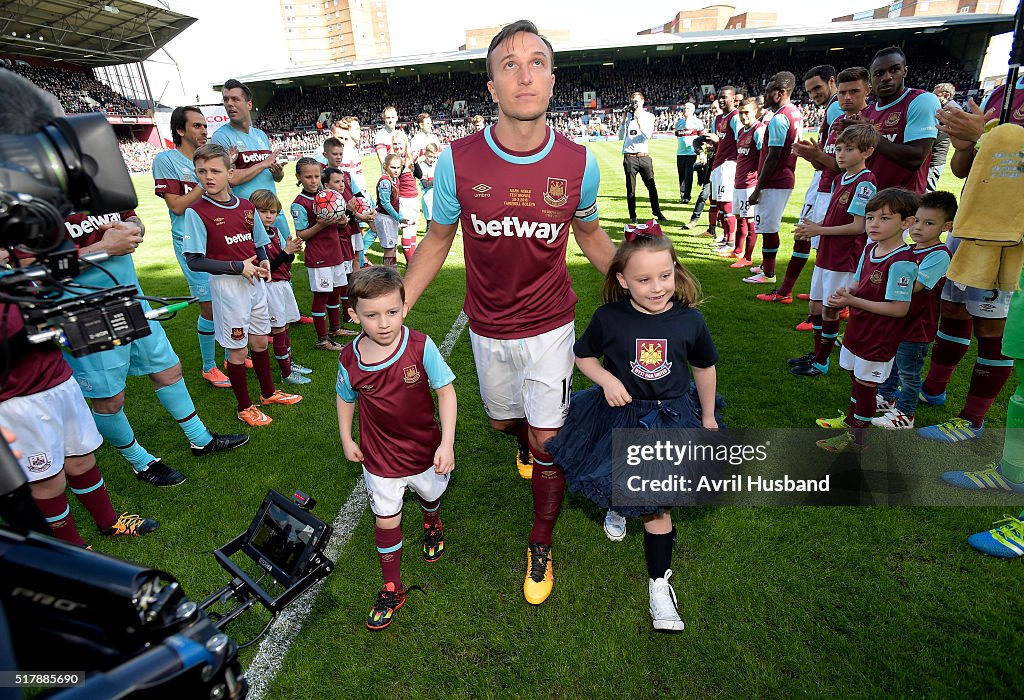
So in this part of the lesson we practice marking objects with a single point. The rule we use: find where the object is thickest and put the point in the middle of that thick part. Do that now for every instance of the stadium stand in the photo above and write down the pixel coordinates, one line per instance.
(666, 85)
(78, 91)
(138, 155)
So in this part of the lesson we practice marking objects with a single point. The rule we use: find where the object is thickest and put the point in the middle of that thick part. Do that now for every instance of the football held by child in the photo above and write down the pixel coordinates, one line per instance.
(324, 259)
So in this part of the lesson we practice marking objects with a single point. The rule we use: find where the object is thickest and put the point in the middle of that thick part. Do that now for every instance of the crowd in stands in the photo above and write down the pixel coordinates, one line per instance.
(138, 155)
(667, 85)
(79, 92)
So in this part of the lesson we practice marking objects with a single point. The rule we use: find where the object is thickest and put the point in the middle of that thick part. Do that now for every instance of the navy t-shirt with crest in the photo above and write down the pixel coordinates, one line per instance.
(649, 353)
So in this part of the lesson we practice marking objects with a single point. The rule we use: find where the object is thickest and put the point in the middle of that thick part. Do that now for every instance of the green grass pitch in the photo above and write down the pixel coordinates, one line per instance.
(777, 601)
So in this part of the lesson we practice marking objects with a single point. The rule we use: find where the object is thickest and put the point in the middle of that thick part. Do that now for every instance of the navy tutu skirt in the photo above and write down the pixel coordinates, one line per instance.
(583, 447)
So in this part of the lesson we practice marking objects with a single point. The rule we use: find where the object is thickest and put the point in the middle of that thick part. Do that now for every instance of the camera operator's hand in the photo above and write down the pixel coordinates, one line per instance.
(119, 238)
(251, 269)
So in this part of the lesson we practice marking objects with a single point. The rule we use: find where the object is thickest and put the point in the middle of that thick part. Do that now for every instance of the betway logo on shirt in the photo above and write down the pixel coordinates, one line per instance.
(511, 226)
(231, 240)
(91, 225)
(252, 157)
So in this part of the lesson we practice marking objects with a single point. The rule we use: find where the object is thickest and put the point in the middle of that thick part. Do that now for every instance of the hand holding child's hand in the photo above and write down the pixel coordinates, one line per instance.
(444, 460)
(352, 452)
(615, 393)
(265, 268)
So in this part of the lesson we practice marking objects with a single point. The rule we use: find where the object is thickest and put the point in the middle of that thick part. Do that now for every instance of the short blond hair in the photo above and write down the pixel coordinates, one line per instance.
(209, 151)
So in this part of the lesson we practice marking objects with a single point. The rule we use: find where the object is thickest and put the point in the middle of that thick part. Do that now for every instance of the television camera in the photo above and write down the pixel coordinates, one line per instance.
(130, 630)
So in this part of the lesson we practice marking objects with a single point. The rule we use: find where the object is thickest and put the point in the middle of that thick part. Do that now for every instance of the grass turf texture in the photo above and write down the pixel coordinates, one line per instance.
(813, 601)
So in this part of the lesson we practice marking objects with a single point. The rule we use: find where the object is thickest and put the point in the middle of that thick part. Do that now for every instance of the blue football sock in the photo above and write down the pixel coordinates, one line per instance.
(175, 398)
(362, 256)
(368, 239)
(207, 343)
(115, 429)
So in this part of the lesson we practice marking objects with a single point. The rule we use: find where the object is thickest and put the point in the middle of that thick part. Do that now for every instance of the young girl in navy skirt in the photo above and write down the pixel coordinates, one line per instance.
(647, 333)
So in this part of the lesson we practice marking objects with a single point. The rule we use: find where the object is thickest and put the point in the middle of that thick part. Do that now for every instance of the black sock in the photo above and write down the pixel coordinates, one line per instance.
(658, 552)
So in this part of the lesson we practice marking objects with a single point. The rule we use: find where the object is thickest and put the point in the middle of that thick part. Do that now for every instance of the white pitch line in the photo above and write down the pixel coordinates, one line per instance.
(267, 663)
(453, 334)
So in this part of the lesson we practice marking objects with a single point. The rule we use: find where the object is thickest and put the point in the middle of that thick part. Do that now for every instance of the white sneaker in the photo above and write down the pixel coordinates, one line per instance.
(614, 526)
(882, 405)
(663, 605)
(895, 419)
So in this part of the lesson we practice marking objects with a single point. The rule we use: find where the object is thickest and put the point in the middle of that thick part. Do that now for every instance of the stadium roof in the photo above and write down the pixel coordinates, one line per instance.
(870, 32)
(87, 32)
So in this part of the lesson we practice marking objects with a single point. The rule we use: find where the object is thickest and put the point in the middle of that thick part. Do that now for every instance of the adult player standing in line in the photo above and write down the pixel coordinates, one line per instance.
(905, 117)
(854, 86)
(174, 177)
(776, 172)
(820, 84)
(723, 167)
(256, 166)
(384, 138)
(518, 187)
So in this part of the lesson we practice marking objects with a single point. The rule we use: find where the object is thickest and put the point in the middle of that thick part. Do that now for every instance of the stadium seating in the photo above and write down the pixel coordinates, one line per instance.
(78, 92)
(665, 84)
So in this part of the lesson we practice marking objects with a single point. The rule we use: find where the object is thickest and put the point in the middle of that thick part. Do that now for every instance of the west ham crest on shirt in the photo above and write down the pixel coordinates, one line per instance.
(876, 277)
(555, 195)
(651, 359)
(893, 119)
(249, 218)
(410, 374)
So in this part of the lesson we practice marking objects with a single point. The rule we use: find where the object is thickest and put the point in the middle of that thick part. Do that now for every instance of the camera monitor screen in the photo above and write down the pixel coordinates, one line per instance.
(283, 537)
